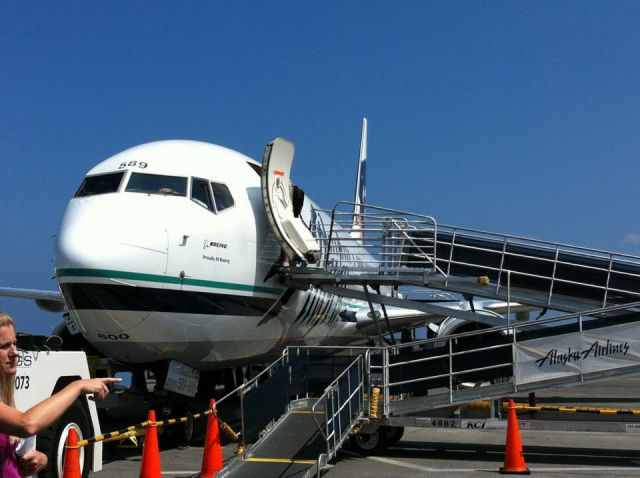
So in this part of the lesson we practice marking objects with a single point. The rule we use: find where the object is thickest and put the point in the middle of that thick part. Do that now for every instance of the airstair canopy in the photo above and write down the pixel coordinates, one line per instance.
(278, 194)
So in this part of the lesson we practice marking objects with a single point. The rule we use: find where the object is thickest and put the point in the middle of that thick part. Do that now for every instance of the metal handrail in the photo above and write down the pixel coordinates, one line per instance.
(251, 383)
(245, 388)
(333, 413)
(516, 326)
(337, 426)
(340, 230)
(446, 343)
(393, 242)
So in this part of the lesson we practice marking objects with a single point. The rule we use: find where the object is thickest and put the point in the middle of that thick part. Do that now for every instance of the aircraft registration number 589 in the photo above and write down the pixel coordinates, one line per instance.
(140, 164)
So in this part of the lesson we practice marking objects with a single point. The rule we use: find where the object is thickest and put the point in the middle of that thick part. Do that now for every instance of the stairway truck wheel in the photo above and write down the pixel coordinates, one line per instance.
(52, 441)
(392, 435)
(368, 443)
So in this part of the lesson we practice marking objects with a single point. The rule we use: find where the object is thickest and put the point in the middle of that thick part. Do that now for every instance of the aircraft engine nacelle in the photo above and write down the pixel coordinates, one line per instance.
(452, 325)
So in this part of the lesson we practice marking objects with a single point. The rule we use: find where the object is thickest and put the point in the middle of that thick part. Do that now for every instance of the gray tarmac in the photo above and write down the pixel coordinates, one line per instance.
(461, 452)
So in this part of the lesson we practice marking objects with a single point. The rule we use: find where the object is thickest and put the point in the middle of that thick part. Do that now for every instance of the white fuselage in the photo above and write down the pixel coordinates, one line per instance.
(150, 275)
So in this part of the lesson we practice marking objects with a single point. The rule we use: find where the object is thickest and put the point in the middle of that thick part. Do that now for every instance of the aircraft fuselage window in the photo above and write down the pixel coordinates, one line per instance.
(201, 193)
(157, 184)
(222, 196)
(100, 184)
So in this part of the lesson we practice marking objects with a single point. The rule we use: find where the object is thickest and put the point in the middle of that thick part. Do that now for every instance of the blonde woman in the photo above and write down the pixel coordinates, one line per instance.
(15, 424)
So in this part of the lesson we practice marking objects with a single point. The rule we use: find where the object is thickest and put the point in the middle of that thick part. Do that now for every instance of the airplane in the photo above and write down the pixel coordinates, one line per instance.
(169, 251)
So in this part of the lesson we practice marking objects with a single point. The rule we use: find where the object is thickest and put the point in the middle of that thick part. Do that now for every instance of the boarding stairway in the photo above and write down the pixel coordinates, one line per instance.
(380, 246)
(497, 362)
(298, 413)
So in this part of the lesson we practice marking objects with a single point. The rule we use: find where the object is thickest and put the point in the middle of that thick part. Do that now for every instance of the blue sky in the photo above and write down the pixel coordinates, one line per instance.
(516, 116)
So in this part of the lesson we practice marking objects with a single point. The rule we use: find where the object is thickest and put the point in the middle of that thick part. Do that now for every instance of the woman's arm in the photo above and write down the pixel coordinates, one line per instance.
(43, 414)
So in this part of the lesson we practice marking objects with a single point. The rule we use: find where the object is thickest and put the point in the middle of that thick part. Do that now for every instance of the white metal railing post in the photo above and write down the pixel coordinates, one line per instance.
(606, 287)
(580, 329)
(339, 417)
(553, 274)
(435, 246)
(504, 252)
(450, 370)
(350, 399)
(321, 465)
(508, 296)
(331, 428)
(335, 404)
(385, 379)
(514, 331)
(327, 425)
(453, 245)
(361, 385)
(242, 421)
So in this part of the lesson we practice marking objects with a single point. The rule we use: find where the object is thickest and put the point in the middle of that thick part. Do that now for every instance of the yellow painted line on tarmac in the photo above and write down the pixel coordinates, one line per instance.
(174, 473)
(281, 460)
(560, 408)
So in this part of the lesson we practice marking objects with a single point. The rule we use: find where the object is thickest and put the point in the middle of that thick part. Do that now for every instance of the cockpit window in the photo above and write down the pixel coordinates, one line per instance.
(157, 184)
(201, 193)
(100, 184)
(222, 196)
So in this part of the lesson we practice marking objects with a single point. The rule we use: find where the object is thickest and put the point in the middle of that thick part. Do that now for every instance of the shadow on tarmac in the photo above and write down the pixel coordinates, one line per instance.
(489, 452)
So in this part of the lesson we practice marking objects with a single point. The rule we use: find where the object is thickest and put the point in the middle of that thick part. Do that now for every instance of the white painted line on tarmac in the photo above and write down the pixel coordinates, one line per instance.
(427, 469)
(398, 463)
(565, 469)
(403, 464)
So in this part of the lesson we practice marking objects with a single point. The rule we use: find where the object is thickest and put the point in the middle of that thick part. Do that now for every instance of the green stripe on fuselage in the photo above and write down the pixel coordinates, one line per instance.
(164, 279)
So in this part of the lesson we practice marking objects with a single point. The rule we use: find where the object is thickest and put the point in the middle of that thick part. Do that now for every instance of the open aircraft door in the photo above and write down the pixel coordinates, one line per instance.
(278, 198)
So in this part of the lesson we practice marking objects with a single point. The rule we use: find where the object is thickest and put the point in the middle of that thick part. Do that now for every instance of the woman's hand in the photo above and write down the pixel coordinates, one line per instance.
(98, 387)
(32, 462)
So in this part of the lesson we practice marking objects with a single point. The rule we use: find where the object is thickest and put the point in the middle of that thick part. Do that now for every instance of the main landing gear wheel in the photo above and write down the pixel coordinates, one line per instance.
(52, 441)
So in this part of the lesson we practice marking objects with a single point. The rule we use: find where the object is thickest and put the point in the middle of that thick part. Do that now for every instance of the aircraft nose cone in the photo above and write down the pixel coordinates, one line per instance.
(82, 237)
(96, 235)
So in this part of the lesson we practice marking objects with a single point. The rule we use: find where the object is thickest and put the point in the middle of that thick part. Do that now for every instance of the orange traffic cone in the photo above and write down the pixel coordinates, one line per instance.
(212, 457)
(150, 467)
(71, 467)
(513, 458)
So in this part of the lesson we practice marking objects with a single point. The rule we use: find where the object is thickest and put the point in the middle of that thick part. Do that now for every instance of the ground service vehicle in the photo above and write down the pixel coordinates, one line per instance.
(42, 373)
